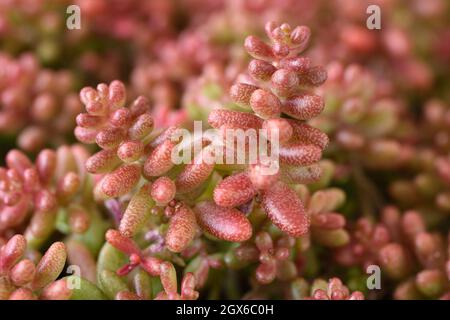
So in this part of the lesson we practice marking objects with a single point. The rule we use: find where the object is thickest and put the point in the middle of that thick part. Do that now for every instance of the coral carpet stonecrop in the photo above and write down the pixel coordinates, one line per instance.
(129, 148)
(178, 201)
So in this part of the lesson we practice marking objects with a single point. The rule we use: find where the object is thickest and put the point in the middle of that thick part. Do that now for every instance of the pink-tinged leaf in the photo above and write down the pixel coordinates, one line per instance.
(141, 127)
(122, 243)
(303, 107)
(120, 118)
(139, 106)
(68, 185)
(121, 180)
(412, 224)
(87, 94)
(31, 179)
(240, 93)
(168, 277)
(227, 224)
(130, 151)
(266, 272)
(300, 36)
(41, 225)
(15, 215)
(299, 154)
(103, 161)
(18, 161)
(45, 201)
(357, 295)
(117, 94)
(280, 50)
(308, 135)
(79, 254)
(163, 190)
(195, 173)
(12, 252)
(285, 209)
(263, 241)
(395, 261)
(328, 220)
(11, 198)
(80, 155)
(188, 287)
(296, 64)
(429, 250)
(261, 70)
(280, 128)
(167, 134)
(137, 212)
(234, 119)
(432, 282)
(109, 138)
(50, 266)
(247, 252)
(301, 175)
(97, 108)
(151, 265)
(182, 228)
(57, 290)
(260, 177)
(349, 139)
(85, 135)
(126, 269)
(127, 295)
(46, 165)
(87, 120)
(285, 83)
(160, 159)
(23, 272)
(22, 294)
(30, 139)
(258, 49)
(234, 190)
(315, 76)
(265, 104)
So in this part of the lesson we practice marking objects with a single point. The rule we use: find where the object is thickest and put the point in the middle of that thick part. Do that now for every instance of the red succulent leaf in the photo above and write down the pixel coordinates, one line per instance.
(224, 223)
(285, 209)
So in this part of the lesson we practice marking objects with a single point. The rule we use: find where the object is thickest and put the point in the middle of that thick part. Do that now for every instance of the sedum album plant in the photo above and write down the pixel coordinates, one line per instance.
(168, 207)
